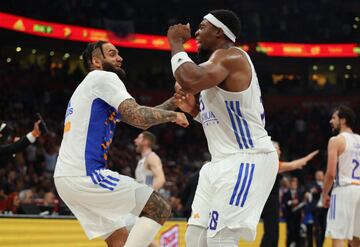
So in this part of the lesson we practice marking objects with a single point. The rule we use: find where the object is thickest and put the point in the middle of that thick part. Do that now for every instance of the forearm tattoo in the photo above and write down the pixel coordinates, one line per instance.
(169, 104)
(156, 208)
(142, 116)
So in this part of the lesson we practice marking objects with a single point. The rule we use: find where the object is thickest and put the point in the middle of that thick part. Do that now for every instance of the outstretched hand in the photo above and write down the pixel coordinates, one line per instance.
(185, 101)
(179, 33)
(311, 155)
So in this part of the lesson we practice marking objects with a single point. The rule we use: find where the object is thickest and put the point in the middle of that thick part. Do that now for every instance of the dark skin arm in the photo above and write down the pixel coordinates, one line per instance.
(144, 117)
(227, 67)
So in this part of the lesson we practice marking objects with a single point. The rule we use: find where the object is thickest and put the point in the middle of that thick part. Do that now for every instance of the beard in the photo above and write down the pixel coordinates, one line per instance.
(203, 55)
(110, 68)
(335, 130)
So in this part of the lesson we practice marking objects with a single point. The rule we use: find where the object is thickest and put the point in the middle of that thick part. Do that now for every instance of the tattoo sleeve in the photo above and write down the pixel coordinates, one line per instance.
(142, 116)
(169, 104)
(157, 208)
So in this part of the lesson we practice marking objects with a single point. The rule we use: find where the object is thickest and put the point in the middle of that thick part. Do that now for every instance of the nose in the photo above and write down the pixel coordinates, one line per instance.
(119, 58)
(197, 33)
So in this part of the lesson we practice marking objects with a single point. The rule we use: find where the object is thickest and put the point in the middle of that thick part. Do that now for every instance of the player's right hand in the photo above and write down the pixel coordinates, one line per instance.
(181, 120)
(185, 101)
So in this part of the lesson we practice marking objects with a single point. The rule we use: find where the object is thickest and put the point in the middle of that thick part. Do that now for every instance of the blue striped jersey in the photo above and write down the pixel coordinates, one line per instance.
(234, 122)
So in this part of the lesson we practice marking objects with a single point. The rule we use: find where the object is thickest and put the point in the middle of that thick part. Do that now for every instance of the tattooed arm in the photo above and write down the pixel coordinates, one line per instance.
(169, 104)
(144, 117)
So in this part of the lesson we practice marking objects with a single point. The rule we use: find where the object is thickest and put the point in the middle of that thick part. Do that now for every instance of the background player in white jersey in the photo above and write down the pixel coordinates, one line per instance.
(343, 166)
(149, 169)
(98, 197)
(234, 185)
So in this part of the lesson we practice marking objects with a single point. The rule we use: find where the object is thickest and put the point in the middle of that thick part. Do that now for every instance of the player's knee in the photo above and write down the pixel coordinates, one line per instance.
(195, 236)
(226, 237)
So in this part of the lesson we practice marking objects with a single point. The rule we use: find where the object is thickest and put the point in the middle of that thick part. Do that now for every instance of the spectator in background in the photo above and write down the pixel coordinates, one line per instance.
(21, 144)
(319, 212)
(11, 204)
(27, 204)
(293, 207)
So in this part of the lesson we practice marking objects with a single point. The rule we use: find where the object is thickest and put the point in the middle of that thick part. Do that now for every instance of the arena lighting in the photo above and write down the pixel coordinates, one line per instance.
(308, 50)
(156, 42)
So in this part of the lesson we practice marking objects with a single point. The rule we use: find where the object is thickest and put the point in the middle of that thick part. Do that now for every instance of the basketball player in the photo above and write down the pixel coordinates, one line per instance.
(98, 197)
(343, 166)
(148, 171)
(234, 185)
(149, 168)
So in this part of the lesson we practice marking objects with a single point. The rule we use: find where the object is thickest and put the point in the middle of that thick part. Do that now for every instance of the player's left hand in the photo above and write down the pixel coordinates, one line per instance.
(179, 33)
(326, 200)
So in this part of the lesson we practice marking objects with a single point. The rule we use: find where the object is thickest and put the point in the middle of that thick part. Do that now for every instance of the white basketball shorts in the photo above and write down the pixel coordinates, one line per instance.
(232, 193)
(343, 219)
(101, 201)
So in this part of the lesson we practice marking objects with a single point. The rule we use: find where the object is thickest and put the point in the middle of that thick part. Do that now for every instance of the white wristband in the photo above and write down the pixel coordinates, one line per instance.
(178, 59)
(30, 137)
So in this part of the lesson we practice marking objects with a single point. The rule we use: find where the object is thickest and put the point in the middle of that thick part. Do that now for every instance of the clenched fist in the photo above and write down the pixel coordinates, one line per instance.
(179, 33)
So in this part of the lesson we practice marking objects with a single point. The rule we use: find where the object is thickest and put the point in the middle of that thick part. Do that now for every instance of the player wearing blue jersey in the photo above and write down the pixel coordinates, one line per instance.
(234, 185)
(98, 197)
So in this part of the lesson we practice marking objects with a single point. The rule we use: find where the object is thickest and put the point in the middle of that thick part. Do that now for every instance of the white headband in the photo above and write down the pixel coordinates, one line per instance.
(213, 20)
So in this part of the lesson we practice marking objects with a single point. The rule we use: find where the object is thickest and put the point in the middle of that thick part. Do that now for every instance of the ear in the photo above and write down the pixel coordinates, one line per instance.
(219, 33)
(96, 62)
(343, 121)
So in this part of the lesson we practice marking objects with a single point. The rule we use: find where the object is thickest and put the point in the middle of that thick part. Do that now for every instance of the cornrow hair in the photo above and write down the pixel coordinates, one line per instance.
(88, 52)
(229, 19)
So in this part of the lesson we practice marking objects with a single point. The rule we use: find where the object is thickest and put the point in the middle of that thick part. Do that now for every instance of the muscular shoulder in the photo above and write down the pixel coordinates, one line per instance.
(230, 58)
(338, 142)
(337, 139)
(153, 156)
(153, 159)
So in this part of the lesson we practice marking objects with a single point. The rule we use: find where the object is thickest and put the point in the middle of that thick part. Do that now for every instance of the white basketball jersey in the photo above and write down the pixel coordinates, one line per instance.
(348, 168)
(90, 121)
(143, 175)
(234, 122)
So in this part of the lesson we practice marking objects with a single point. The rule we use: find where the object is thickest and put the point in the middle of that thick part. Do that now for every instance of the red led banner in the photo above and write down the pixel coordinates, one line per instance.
(85, 34)
(144, 41)
(308, 50)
